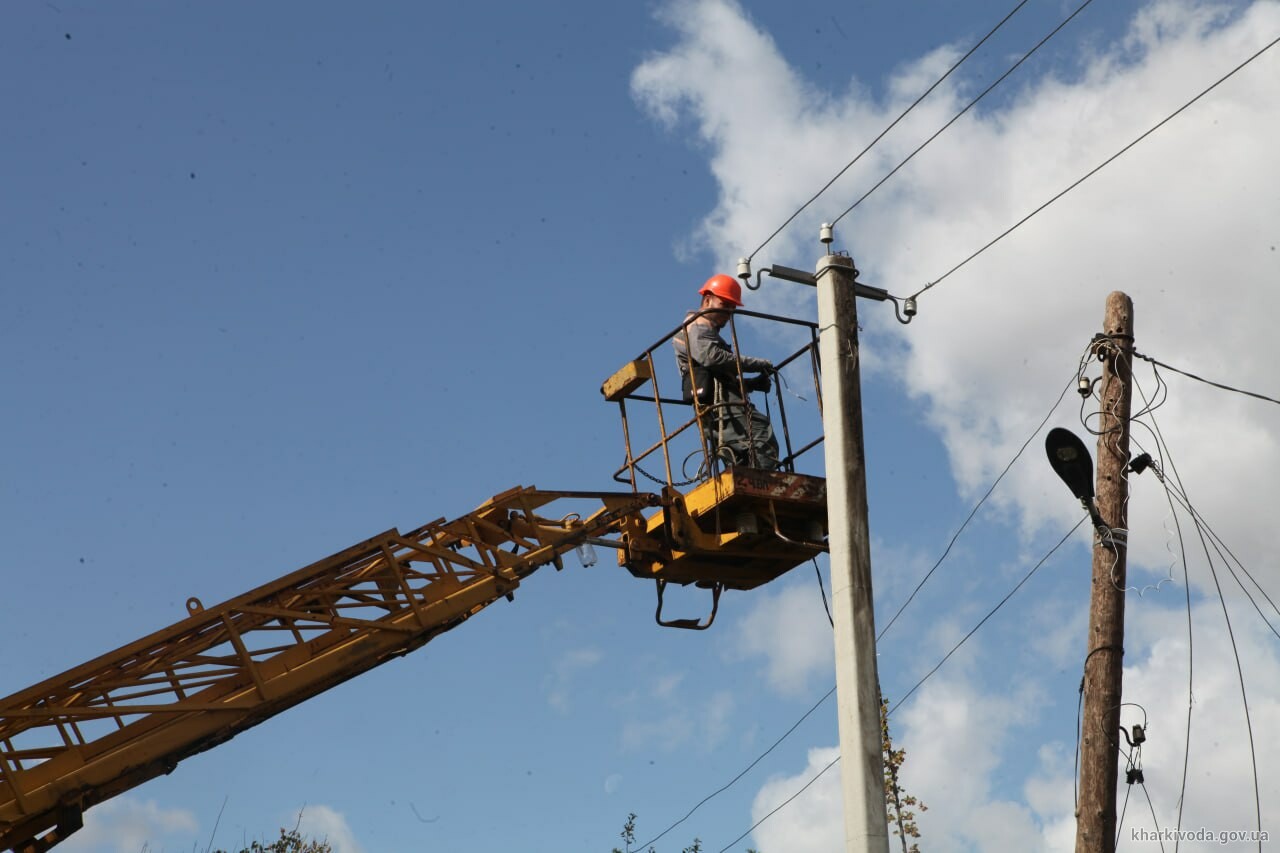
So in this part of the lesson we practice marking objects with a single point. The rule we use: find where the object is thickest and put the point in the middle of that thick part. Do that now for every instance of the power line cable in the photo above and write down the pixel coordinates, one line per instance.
(891, 126)
(748, 768)
(1056, 403)
(1096, 169)
(822, 589)
(975, 509)
(968, 106)
(1150, 404)
(1223, 552)
(1186, 585)
(828, 694)
(1176, 491)
(1206, 381)
(1128, 789)
(1155, 820)
(833, 762)
(781, 805)
(1201, 526)
(1003, 601)
(1235, 651)
(1075, 783)
(1244, 695)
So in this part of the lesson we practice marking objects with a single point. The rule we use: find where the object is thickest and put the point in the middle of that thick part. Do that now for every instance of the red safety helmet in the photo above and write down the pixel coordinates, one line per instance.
(724, 286)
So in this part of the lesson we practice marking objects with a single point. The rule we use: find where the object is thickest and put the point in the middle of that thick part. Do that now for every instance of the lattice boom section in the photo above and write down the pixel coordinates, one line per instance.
(114, 722)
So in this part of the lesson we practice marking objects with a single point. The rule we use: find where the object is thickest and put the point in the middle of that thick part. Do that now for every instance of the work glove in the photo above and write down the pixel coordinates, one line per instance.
(757, 365)
(758, 383)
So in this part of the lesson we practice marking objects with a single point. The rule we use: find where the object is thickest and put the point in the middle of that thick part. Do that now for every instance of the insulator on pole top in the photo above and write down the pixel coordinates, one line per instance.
(825, 233)
(744, 269)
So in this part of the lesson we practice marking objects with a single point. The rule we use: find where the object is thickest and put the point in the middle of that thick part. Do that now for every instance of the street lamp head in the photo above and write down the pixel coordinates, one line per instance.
(1071, 460)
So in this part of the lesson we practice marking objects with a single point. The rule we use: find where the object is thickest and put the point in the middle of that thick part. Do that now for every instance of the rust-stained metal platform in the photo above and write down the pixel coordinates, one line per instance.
(740, 529)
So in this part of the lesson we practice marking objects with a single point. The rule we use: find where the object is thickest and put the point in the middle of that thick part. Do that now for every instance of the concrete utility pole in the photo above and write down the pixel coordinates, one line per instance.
(858, 687)
(1103, 667)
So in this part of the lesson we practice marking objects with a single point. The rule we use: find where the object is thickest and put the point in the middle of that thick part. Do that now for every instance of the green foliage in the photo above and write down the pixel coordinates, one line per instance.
(289, 842)
(899, 803)
(900, 806)
(628, 836)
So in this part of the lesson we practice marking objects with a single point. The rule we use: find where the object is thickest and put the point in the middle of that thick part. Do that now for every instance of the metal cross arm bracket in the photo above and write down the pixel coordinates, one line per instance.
(811, 279)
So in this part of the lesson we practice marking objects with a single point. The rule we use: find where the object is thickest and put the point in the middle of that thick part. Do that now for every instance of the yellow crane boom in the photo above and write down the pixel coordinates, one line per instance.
(117, 721)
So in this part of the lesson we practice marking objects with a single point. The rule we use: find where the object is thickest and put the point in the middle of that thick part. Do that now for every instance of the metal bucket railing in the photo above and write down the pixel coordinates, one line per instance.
(677, 419)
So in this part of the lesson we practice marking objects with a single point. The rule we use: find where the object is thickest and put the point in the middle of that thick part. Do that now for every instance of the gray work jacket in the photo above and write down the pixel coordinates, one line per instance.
(712, 360)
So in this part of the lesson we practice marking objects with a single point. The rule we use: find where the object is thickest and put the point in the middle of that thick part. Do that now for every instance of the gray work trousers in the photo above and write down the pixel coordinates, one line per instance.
(739, 433)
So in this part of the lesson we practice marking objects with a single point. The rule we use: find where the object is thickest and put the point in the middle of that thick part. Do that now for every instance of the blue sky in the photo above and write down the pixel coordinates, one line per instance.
(277, 277)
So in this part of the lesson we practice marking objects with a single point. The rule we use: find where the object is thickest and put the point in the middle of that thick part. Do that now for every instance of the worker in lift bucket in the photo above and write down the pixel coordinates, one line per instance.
(738, 433)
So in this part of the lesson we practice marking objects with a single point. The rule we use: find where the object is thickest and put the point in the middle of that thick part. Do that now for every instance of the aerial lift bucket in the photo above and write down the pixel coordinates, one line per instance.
(726, 528)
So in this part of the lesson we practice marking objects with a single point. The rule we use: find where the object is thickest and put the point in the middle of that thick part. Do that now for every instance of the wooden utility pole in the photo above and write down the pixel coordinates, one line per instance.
(1103, 666)
(857, 684)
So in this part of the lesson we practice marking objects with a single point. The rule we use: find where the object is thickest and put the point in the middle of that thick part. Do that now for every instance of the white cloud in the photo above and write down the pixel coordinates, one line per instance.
(813, 821)
(789, 630)
(898, 569)
(721, 65)
(1219, 792)
(559, 682)
(666, 685)
(1050, 794)
(1219, 786)
(1187, 223)
(1187, 217)
(671, 723)
(327, 824)
(668, 732)
(956, 736)
(127, 825)
(1058, 639)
